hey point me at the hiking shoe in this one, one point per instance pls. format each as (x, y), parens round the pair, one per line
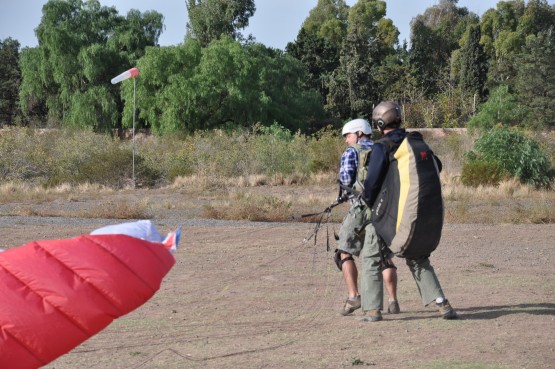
(350, 306)
(393, 308)
(446, 311)
(372, 316)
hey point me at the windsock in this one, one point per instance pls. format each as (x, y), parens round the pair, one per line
(133, 72)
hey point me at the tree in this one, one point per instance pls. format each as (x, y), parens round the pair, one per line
(370, 39)
(434, 36)
(209, 20)
(319, 41)
(319, 56)
(82, 45)
(10, 79)
(501, 109)
(397, 78)
(535, 80)
(328, 20)
(474, 68)
(188, 87)
(505, 31)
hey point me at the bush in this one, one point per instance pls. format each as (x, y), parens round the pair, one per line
(480, 173)
(501, 109)
(51, 158)
(325, 152)
(514, 154)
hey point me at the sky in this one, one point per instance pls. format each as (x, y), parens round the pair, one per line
(275, 22)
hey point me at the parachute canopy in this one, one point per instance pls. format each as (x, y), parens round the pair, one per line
(58, 293)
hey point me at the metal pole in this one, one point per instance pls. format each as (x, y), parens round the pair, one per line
(134, 92)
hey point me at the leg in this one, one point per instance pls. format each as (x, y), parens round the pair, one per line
(350, 274)
(372, 282)
(429, 287)
(390, 281)
(351, 240)
(426, 280)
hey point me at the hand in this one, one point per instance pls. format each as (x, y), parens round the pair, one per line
(341, 199)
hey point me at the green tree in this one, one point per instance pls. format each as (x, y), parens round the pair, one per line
(501, 109)
(504, 33)
(328, 21)
(188, 88)
(535, 80)
(370, 39)
(434, 36)
(474, 67)
(82, 45)
(10, 79)
(319, 56)
(209, 20)
(319, 41)
(396, 76)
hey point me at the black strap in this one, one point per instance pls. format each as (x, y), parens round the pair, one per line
(386, 262)
(338, 261)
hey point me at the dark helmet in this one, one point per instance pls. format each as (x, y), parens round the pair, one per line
(387, 113)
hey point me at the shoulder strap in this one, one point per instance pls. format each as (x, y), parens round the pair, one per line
(355, 146)
(389, 145)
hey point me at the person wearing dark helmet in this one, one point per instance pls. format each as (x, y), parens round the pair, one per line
(357, 134)
(387, 117)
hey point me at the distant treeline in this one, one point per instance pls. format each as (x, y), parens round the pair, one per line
(461, 70)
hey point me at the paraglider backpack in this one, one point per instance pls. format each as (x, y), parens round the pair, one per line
(408, 213)
(363, 159)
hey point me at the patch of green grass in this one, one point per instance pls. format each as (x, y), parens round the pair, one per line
(357, 361)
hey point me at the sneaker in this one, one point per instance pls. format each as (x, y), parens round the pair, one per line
(372, 316)
(393, 308)
(350, 306)
(446, 311)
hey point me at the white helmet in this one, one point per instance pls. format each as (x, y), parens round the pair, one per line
(356, 125)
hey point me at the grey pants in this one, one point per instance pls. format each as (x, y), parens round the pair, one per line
(372, 280)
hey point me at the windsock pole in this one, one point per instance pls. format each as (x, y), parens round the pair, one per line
(131, 73)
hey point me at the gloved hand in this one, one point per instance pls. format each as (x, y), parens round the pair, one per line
(341, 199)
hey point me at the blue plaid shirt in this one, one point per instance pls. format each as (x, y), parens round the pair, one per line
(349, 163)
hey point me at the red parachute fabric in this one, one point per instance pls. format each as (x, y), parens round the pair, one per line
(56, 294)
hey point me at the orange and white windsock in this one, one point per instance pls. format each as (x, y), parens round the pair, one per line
(133, 72)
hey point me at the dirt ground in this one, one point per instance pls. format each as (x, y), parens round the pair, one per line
(252, 295)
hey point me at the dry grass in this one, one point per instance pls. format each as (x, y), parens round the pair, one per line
(242, 205)
(118, 210)
(263, 198)
(510, 202)
(21, 192)
(202, 183)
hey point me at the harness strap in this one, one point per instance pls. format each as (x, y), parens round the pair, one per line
(338, 261)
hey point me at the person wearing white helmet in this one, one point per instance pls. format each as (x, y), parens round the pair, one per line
(352, 173)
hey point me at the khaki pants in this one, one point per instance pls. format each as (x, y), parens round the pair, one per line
(372, 280)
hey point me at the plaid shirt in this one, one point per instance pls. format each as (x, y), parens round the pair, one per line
(349, 163)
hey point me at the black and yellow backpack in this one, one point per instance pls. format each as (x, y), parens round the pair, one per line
(408, 213)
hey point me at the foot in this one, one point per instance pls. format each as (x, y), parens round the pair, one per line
(393, 308)
(446, 311)
(350, 306)
(372, 316)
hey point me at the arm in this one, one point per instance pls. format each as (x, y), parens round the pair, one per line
(348, 167)
(377, 168)
(438, 163)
